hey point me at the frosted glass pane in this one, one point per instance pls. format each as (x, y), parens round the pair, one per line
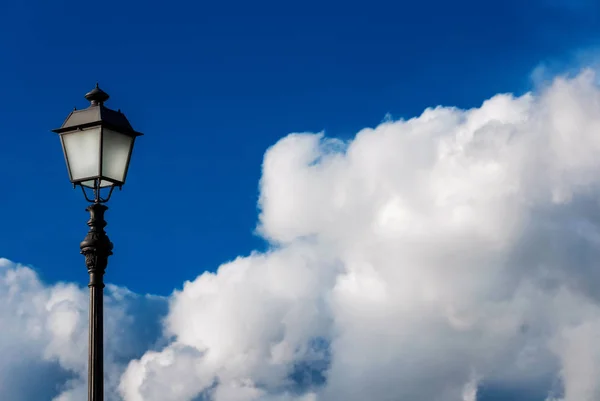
(82, 149)
(90, 183)
(115, 153)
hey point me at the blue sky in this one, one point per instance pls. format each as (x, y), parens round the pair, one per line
(213, 85)
(354, 290)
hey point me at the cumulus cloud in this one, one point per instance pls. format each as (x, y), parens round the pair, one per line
(449, 257)
(43, 340)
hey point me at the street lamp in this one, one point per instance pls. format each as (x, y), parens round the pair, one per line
(97, 143)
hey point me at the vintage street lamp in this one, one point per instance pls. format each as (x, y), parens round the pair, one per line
(97, 143)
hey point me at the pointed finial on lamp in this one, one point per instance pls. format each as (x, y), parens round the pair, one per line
(97, 96)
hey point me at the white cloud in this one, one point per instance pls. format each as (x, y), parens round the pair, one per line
(430, 259)
(43, 340)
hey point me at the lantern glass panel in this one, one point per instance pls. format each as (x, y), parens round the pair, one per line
(116, 148)
(103, 183)
(82, 151)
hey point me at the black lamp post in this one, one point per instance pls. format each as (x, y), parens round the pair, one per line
(97, 143)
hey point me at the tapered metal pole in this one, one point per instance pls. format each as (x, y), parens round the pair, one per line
(96, 247)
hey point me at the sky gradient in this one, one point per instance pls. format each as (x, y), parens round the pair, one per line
(213, 86)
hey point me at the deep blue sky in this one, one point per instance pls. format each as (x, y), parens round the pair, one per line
(212, 86)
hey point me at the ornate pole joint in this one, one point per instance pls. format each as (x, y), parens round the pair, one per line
(96, 247)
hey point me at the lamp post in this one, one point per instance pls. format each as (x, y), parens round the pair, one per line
(97, 143)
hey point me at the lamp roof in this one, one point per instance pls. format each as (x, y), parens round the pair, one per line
(97, 114)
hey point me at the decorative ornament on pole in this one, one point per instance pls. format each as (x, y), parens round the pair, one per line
(96, 247)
